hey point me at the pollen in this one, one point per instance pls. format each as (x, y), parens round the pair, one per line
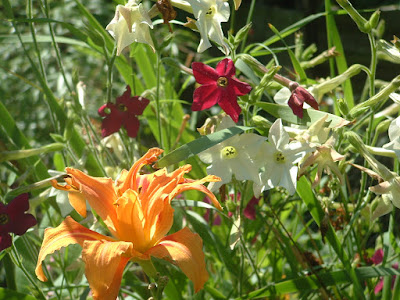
(4, 219)
(279, 157)
(229, 152)
(222, 81)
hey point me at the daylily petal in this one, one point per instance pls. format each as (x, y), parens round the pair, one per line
(130, 178)
(75, 197)
(100, 194)
(184, 249)
(67, 233)
(198, 185)
(104, 265)
(203, 73)
(205, 96)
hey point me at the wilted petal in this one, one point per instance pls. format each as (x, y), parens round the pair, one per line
(67, 233)
(184, 249)
(104, 264)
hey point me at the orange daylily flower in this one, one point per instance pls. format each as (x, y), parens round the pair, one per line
(137, 211)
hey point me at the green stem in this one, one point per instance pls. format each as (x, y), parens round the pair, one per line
(248, 20)
(158, 101)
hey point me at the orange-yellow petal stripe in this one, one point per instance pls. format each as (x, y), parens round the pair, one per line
(67, 233)
(104, 266)
(184, 249)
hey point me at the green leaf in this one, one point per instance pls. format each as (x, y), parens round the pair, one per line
(311, 282)
(199, 145)
(309, 115)
(13, 295)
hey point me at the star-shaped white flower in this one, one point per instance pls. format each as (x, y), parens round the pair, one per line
(131, 24)
(233, 157)
(279, 157)
(209, 15)
(394, 137)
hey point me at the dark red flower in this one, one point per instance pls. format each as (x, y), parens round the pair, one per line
(218, 86)
(250, 209)
(377, 258)
(13, 219)
(297, 99)
(123, 113)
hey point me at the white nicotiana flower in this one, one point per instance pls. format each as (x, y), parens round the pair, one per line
(394, 137)
(131, 24)
(278, 157)
(390, 189)
(209, 15)
(233, 157)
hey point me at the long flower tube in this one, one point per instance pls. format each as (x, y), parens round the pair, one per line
(137, 211)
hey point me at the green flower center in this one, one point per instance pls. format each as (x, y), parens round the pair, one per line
(222, 81)
(229, 152)
(211, 11)
(122, 107)
(279, 157)
(4, 219)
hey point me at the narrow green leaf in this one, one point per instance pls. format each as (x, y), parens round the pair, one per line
(309, 115)
(13, 295)
(341, 63)
(199, 145)
(328, 278)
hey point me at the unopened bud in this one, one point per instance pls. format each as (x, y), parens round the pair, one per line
(361, 22)
(374, 19)
(343, 108)
(241, 34)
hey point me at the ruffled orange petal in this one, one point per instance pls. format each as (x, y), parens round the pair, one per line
(104, 265)
(75, 197)
(130, 178)
(67, 233)
(184, 249)
(100, 194)
(191, 184)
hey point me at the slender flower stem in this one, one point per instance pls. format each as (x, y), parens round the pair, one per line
(248, 20)
(158, 101)
(18, 262)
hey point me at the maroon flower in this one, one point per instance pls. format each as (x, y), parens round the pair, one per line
(218, 86)
(250, 209)
(377, 258)
(123, 113)
(13, 219)
(297, 99)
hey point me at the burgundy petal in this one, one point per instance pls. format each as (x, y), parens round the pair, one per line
(226, 68)
(240, 88)
(112, 123)
(250, 210)
(132, 126)
(204, 74)
(18, 206)
(307, 97)
(205, 96)
(229, 104)
(23, 223)
(5, 241)
(137, 105)
(296, 104)
(377, 258)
